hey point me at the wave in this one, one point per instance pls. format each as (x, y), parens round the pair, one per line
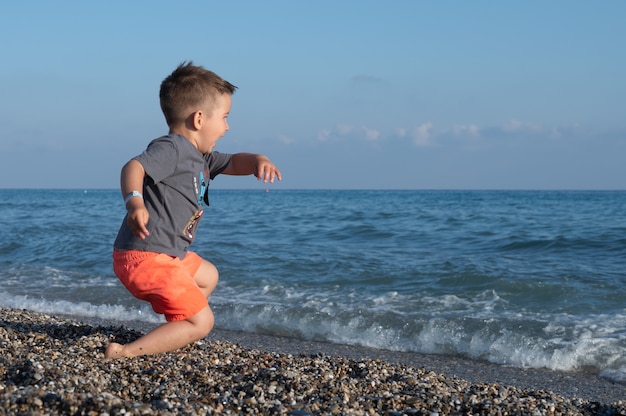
(468, 329)
(479, 328)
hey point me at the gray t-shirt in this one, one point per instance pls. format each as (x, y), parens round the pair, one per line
(175, 186)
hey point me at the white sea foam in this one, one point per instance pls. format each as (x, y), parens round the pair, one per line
(80, 309)
(601, 345)
(445, 325)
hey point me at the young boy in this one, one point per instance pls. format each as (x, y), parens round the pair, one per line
(164, 189)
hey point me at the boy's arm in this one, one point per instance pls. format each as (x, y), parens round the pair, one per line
(253, 164)
(132, 180)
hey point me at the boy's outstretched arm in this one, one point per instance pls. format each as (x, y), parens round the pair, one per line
(253, 164)
(132, 180)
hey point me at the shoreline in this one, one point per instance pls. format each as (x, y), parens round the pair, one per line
(56, 364)
(581, 384)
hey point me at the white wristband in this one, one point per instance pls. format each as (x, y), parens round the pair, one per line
(132, 195)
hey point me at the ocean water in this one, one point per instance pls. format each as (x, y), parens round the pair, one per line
(519, 278)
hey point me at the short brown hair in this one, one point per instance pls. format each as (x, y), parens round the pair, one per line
(188, 88)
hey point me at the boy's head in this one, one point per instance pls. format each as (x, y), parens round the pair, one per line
(188, 89)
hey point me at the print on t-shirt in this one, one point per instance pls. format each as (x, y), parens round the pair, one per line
(203, 185)
(192, 225)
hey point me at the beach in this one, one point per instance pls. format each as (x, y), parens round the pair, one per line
(517, 278)
(55, 365)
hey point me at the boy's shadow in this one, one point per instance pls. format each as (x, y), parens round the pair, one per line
(20, 336)
(66, 331)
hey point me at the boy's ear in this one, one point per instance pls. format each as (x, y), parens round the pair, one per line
(196, 119)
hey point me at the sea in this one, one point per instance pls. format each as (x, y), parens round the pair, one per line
(518, 278)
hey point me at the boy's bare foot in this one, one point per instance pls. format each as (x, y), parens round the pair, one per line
(114, 350)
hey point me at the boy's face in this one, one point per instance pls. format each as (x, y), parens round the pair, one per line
(214, 124)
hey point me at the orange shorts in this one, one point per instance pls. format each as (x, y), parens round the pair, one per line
(164, 281)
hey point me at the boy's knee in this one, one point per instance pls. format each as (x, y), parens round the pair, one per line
(208, 325)
(203, 321)
(212, 273)
(207, 277)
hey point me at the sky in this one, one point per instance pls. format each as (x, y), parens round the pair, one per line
(350, 94)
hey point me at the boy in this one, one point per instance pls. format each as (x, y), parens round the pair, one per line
(164, 189)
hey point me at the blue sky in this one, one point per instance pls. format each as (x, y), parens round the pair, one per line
(340, 94)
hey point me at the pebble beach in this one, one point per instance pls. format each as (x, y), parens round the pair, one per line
(55, 365)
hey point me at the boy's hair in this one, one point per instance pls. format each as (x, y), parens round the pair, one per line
(188, 88)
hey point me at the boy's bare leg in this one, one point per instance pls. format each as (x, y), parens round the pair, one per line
(174, 335)
(167, 337)
(206, 277)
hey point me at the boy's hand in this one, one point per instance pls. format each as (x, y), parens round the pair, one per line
(253, 164)
(266, 170)
(138, 219)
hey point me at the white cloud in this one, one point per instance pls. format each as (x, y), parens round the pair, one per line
(514, 126)
(400, 131)
(555, 133)
(371, 134)
(283, 138)
(344, 129)
(471, 130)
(323, 135)
(421, 134)
(426, 134)
(350, 131)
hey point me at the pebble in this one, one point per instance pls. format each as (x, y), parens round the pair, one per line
(52, 365)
